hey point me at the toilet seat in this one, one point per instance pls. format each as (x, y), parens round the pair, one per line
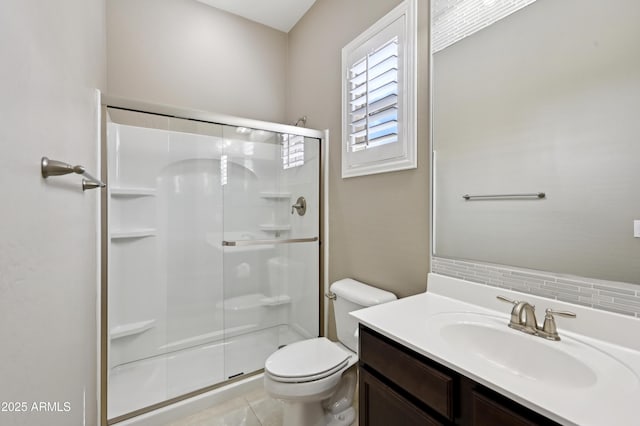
(307, 361)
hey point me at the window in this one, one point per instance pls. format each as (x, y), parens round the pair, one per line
(379, 96)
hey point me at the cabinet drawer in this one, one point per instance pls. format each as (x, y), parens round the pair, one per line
(382, 406)
(427, 384)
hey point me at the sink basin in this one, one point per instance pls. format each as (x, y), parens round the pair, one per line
(568, 363)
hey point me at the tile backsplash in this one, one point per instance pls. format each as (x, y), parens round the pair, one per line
(618, 297)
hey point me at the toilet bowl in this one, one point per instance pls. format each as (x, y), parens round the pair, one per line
(314, 377)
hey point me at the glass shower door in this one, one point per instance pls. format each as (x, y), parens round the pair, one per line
(165, 289)
(213, 263)
(270, 249)
(191, 186)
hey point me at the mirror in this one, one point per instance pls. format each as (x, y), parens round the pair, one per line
(545, 99)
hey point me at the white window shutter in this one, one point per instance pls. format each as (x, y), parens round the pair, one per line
(373, 83)
(379, 96)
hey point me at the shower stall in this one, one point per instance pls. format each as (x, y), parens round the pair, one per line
(211, 260)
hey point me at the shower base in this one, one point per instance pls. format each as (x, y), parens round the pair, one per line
(149, 381)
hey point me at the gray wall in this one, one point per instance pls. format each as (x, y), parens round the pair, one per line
(379, 224)
(188, 54)
(53, 59)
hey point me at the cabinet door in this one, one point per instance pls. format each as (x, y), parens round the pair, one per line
(487, 412)
(409, 371)
(382, 406)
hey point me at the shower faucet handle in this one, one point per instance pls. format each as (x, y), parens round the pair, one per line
(300, 206)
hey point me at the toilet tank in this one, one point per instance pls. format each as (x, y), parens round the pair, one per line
(352, 295)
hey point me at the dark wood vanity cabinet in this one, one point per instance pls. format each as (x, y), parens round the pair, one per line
(401, 387)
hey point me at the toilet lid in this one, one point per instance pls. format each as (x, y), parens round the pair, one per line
(307, 360)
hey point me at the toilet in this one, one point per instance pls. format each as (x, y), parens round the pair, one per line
(313, 377)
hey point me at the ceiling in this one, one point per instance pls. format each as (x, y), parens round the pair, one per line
(279, 14)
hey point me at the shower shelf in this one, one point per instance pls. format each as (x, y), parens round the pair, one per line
(252, 301)
(276, 300)
(275, 195)
(121, 191)
(131, 329)
(271, 227)
(133, 233)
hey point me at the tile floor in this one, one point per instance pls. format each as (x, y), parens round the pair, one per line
(255, 408)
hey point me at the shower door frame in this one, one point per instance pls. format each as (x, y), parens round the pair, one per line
(106, 102)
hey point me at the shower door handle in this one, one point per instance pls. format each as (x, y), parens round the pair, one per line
(263, 242)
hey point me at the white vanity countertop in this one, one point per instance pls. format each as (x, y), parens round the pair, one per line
(604, 399)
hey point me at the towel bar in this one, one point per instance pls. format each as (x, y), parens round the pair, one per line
(498, 196)
(58, 168)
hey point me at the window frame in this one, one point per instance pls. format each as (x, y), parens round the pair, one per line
(400, 155)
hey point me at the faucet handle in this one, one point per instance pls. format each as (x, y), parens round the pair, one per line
(549, 330)
(300, 206)
(504, 299)
(566, 314)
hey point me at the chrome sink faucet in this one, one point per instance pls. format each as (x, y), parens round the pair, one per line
(523, 318)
